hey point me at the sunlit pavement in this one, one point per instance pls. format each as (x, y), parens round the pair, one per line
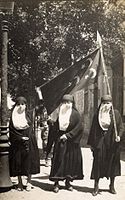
(43, 188)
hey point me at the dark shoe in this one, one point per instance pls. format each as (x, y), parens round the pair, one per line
(20, 186)
(56, 188)
(68, 186)
(20, 189)
(112, 189)
(95, 191)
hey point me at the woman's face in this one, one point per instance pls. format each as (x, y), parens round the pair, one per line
(66, 105)
(21, 107)
(107, 105)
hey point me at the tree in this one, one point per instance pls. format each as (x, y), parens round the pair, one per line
(46, 36)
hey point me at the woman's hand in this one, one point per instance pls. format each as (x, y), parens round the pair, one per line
(25, 138)
(117, 139)
(63, 137)
(26, 143)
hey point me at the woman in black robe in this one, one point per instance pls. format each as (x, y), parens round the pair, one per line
(24, 154)
(66, 136)
(105, 145)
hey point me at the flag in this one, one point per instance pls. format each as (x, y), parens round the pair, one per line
(90, 75)
(104, 70)
(81, 71)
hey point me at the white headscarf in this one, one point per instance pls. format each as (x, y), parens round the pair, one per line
(19, 117)
(104, 115)
(64, 115)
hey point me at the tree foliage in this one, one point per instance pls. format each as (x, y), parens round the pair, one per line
(47, 36)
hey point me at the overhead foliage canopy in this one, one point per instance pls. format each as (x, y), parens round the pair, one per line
(45, 37)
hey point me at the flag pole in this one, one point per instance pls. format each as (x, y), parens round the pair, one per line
(107, 82)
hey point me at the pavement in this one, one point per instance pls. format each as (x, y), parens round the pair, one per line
(43, 188)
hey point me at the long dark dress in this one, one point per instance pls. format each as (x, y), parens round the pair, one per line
(23, 155)
(106, 151)
(67, 157)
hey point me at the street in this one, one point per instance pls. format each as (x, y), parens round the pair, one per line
(43, 188)
(58, 57)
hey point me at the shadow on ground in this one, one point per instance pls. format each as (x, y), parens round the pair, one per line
(3, 190)
(41, 177)
(49, 187)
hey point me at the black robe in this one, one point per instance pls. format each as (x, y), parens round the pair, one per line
(106, 151)
(23, 155)
(67, 156)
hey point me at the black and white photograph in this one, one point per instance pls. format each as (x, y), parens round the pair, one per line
(62, 99)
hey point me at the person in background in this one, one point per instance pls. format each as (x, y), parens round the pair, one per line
(67, 157)
(44, 137)
(44, 129)
(50, 144)
(24, 155)
(105, 145)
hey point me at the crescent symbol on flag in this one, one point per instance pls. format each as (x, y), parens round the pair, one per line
(90, 60)
(93, 71)
(90, 63)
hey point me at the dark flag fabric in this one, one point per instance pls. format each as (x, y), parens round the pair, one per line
(90, 75)
(72, 79)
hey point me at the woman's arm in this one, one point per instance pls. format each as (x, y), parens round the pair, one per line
(76, 128)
